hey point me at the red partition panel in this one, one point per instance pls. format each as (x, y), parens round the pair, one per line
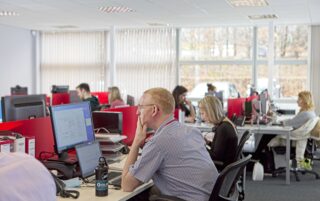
(102, 97)
(60, 98)
(40, 128)
(129, 123)
(235, 106)
(176, 114)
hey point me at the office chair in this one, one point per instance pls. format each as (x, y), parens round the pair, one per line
(300, 135)
(225, 188)
(244, 138)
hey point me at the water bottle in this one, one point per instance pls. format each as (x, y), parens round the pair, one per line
(102, 178)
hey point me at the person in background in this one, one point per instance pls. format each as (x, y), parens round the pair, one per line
(179, 93)
(24, 178)
(225, 141)
(84, 94)
(115, 97)
(175, 158)
(305, 114)
(211, 89)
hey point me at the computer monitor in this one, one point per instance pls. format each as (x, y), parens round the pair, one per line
(88, 155)
(0, 112)
(74, 98)
(60, 89)
(23, 107)
(18, 90)
(72, 125)
(263, 97)
(218, 94)
(112, 121)
(130, 100)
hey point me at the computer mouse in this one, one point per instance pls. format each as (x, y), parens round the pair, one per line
(125, 149)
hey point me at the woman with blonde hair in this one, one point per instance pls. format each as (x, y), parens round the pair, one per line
(305, 114)
(115, 97)
(225, 141)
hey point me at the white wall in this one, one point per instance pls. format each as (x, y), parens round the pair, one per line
(16, 59)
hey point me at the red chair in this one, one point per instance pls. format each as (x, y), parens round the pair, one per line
(102, 97)
(60, 98)
(235, 106)
(129, 122)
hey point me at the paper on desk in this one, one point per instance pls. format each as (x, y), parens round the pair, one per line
(111, 137)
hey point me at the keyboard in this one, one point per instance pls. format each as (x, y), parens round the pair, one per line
(112, 175)
(116, 182)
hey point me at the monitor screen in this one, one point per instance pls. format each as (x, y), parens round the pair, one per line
(72, 125)
(23, 107)
(88, 155)
(17, 90)
(60, 89)
(112, 121)
(130, 100)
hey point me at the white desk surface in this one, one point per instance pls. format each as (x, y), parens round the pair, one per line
(88, 193)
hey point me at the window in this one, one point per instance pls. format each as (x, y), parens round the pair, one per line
(217, 55)
(145, 58)
(69, 58)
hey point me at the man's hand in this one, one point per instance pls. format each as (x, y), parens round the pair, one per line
(141, 133)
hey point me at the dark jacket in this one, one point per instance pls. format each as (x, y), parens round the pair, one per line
(94, 103)
(224, 144)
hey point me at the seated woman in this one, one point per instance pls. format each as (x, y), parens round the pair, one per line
(305, 114)
(115, 99)
(225, 140)
(179, 93)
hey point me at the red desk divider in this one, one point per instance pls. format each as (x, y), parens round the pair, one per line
(60, 98)
(129, 122)
(40, 128)
(102, 97)
(176, 114)
(235, 106)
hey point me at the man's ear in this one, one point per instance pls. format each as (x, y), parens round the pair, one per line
(155, 110)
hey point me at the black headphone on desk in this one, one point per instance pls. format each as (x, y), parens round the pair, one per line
(69, 193)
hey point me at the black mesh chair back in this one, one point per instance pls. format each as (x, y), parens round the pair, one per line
(225, 186)
(246, 135)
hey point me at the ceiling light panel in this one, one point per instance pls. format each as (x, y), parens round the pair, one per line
(116, 9)
(263, 17)
(248, 3)
(8, 13)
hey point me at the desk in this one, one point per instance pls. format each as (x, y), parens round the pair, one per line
(273, 130)
(261, 129)
(88, 193)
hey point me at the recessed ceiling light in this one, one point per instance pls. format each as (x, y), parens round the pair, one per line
(263, 17)
(247, 3)
(116, 9)
(8, 13)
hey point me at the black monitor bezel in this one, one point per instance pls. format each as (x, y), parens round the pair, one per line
(62, 152)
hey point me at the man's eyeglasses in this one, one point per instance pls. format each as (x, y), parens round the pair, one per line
(146, 105)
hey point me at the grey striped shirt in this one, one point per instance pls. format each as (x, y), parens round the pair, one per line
(177, 161)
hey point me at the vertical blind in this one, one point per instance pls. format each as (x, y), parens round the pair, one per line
(145, 58)
(69, 58)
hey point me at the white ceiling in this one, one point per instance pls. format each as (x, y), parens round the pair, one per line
(85, 14)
